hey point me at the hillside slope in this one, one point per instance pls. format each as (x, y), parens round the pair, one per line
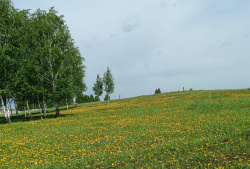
(206, 129)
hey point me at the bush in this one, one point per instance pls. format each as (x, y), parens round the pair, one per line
(157, 91)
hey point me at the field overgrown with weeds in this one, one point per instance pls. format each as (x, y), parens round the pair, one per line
(191, 129)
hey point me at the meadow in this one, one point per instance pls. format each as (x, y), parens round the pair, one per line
(190, 129)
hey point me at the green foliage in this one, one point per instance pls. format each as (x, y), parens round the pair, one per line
(81, 98)
(107, 97)
(10, 37)
(97, 98)
(108, 81)
(39, 61)
(91, 98)
(98, 86)
(7, 56)
(157, 91)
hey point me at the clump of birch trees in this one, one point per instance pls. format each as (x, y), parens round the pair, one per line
(108, 82)
(39, 61)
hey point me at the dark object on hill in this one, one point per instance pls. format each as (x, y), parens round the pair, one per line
(157, 91)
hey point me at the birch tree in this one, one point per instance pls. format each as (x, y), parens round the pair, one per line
(12, 24)
(56, 58)
(98, 87)
(23, 81)
(7, 48)
(109, 84)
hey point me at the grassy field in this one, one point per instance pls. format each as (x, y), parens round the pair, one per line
(191, 129)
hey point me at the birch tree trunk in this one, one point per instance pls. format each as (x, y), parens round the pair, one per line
(7, 117)
(74, 100)
(10, 107)
(44, 109)
(5, 110)
(108, 99)
(16, 107)
(25, 110)
(3, 107)
(41, 113)
(28, 107)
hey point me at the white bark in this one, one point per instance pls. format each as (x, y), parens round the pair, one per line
(41, 112)
(44, 108)
(7, 116)
(3, 107)
(28, 107)
(6, 109)
(16, 107)
(25, 110)
(108, 99)
(10, 107)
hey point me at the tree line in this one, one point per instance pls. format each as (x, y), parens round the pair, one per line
(39, 62)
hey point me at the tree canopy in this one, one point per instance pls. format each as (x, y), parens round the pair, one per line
(98, 87)
(108, 81)
(158, 91)
(38, 58)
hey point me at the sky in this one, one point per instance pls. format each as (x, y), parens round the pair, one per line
(166, 44)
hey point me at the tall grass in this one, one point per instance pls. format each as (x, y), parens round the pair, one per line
(192, 129)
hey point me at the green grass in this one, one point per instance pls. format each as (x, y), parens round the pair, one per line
(192, 129)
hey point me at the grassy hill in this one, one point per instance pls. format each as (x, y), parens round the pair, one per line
(192, 129)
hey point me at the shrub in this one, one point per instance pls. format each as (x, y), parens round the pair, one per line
(157, 91)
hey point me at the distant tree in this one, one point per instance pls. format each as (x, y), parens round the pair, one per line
(98, 87)
(106, 98)
(108, 81)
(91, 98)
(97, 99)
(157, 91)
(79, 98)
(86, 99)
